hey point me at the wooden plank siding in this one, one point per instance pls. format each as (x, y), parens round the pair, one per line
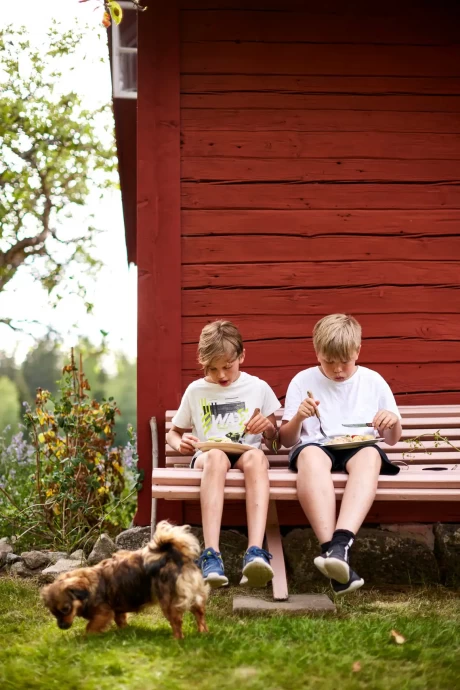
(320, 172)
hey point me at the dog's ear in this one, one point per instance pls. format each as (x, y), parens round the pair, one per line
(80, 594)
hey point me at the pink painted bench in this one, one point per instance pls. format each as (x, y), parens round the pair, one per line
(417, 481)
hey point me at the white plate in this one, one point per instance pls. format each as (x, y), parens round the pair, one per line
(225, 446)
(353, 444)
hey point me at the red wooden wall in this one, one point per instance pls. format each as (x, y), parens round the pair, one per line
(320, 173)
(294, 159)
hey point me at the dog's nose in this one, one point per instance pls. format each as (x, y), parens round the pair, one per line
(64, 625)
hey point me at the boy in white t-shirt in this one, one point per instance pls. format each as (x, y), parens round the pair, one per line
(221, 406)
(343, 393)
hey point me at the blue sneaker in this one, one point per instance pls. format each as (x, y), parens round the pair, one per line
(212, 568)
(257, 571)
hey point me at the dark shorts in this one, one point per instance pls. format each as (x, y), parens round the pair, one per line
(340, 457)
(233, 459)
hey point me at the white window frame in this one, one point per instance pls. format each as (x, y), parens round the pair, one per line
(117, 51)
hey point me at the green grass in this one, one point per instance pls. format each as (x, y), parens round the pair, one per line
(254, 653)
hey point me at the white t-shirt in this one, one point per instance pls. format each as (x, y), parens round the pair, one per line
(215, 411)
(355, 400)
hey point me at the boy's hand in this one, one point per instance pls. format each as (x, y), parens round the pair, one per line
(384, 419)
(259, 424)
(307, 408)
(187, 444)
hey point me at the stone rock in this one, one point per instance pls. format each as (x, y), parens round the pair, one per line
(35, 559)
(12, 558)
(5, 545)
(380, 557)
(55, 556)
(63, 565)
(384, 558)
(19, 569)
(300, 547)
(233, 546)
(423, 533)
(5, 549)
(105, 547)
(133, 538)
(447, 549)
(78, 555)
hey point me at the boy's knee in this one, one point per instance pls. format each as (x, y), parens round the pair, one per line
(215, 460)
(313, 458)
(255, 460)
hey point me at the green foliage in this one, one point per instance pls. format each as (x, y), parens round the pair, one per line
(78, 485)
(51, 158)
(9, 403)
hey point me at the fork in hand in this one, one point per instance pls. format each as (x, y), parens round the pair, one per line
(312, 397)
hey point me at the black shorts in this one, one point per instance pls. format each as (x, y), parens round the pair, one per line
(340, 457)
(233, 457)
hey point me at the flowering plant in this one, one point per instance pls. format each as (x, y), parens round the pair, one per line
(78, 480)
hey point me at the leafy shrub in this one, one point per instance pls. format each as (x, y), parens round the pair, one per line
(73, 481)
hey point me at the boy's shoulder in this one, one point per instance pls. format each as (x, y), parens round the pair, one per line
(306, 375)
(371, 375)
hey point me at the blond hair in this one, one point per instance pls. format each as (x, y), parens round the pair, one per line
(337, 336)
(218, 339)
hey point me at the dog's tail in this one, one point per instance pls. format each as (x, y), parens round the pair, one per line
(170, 537)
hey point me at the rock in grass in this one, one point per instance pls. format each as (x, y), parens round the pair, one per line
(19, 569)
(64, 565)
(5, 549)
(55, 556)
(35, 559)
(12, 558)
(133, 539)
(105, 547)
(79, 556)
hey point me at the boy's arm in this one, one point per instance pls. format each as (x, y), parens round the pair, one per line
(290, 431)
(181, 441)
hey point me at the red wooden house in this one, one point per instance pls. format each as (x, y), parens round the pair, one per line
(294, 159)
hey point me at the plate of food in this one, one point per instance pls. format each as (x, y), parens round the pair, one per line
(353, 441)
(225, 444)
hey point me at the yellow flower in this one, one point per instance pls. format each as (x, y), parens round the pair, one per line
(51, 434)
(118, 467)
(49, 492)
(102, 490)
(107, 429)
(41, 438)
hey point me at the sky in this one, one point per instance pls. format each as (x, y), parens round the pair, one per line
(114, 294)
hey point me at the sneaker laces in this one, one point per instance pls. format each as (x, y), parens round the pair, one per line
(209, 555)
(257, 551)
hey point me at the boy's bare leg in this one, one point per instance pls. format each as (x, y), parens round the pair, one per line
(363, 470)
(214, 464)
(257, 570)
(254, 464)
(315, 490)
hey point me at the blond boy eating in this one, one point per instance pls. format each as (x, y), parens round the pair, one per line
(343, 393)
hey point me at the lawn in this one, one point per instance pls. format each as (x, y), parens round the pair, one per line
(351, 649)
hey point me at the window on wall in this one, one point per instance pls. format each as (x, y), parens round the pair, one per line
(124, 53)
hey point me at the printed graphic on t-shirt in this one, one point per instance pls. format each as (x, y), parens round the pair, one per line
(223, 419)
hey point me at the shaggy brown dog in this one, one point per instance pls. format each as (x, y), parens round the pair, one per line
(163, 572)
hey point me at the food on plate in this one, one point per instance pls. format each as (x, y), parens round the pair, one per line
(350, 439)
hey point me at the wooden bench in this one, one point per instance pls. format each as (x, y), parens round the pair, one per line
(429, 473)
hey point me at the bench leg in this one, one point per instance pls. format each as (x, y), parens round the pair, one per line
(275, 546)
